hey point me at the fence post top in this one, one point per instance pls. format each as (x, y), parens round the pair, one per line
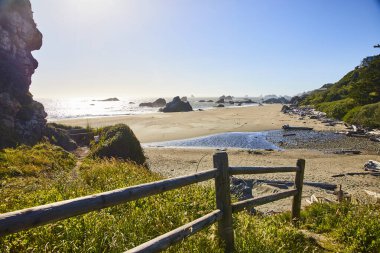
(220, 153)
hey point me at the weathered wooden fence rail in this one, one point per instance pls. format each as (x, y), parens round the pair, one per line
(16, 221)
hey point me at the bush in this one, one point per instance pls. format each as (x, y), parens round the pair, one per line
(118, 141)
(337, 109)
(368, 115)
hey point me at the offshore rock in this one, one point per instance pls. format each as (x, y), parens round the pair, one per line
(158, 103)
(177, 106)
(22, 120)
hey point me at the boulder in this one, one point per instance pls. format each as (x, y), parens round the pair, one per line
(158, 103)
(280, 100)
(60, 137)
(220, 101)
(220, 105)
(177, 106)
(120, 142)
(184, 99)
(285, 109)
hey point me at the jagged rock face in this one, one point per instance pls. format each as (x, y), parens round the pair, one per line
(22, 120)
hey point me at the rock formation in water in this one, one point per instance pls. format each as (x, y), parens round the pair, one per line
(177, 106)
(22, 120)
(158, 103)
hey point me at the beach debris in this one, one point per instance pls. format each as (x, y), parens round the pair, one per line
(285, 184)
(347, 151)
(357, 174)
(372, 166)
(241, 188)
(342, 195)
(374, 195)
(285, 135)
(287, 127)
(311, 113)
(255, 152)
(315, 199)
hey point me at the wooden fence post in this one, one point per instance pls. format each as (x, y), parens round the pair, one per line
(223, 200)
(296, 207)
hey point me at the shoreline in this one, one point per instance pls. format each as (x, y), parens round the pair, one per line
(156, 127)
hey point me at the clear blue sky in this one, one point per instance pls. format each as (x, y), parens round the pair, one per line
(103, 48)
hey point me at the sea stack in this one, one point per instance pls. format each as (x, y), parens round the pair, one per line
(22, 120)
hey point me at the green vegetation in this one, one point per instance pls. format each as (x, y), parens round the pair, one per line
(337, 109)
(357, 227)
(48, 174)
(352, 96)
(368, 115)
(118, 141)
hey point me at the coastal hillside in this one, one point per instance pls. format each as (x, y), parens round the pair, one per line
(355, 98)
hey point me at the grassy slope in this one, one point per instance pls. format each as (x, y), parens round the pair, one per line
(54, 177)
(354, 98)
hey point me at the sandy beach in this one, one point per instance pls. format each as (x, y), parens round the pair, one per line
(172, 126)
(320, 167)
(171, 162)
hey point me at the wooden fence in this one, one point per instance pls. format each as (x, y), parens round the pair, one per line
(13, 222)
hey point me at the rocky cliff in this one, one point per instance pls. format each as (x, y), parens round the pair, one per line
(22, 120)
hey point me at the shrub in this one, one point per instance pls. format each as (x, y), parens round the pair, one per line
(337, 109)
(118, 141)
(368, 115)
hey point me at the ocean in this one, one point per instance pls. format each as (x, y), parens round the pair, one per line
(92, 107)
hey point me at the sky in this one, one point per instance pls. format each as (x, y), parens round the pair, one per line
(132, 48)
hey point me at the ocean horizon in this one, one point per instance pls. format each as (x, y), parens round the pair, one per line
(72, 108)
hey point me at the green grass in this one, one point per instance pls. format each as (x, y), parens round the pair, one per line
(125, 226)
(356, 226)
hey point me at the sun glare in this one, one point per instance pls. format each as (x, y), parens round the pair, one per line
(90, 9)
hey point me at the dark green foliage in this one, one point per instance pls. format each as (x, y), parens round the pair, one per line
(118, 141)
(337, 109)
(368, 115)
(359, 87)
